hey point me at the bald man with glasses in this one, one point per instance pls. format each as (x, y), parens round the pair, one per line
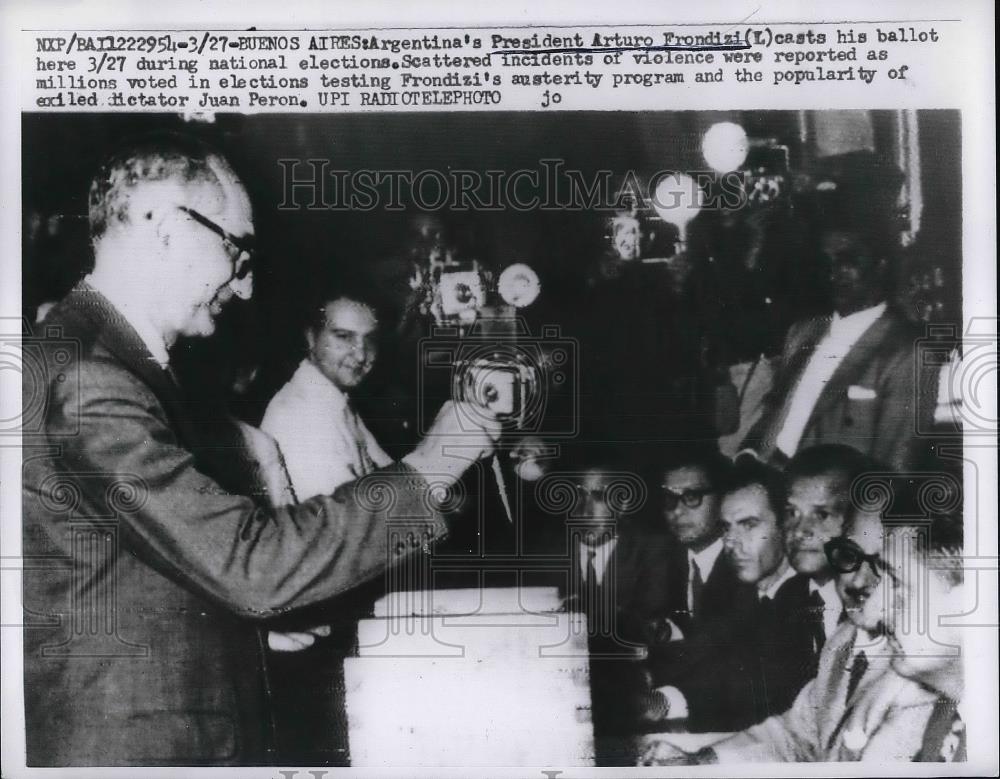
(162, 558)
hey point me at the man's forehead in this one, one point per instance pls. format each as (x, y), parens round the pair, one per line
(225, 200)
(866, 530)
(749, 501)
(685, 476)
(346, 314)
(821, 489)
(595, 478)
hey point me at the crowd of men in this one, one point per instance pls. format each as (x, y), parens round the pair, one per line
(776, 606)
(757, 595)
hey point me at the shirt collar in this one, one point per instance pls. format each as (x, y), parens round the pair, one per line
(601, 549)
(311, 378)
(136, 317)
(859, 321)
(706, 557)
(828, 591)
(787, 572)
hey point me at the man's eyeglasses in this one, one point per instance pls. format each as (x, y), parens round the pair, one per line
(690, 498)
(240, 250)
(845, 556)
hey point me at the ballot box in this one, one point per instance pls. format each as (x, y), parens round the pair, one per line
(477, 677)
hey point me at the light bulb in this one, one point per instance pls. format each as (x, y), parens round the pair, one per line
(677, 199)
(725, 146)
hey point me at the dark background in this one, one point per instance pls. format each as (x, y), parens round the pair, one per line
(632, 330)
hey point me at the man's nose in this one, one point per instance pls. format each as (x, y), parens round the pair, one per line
(800, 530)
(861, 579)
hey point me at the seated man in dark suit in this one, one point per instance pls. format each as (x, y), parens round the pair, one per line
(709, 607)
(849, 377)
(616, 578)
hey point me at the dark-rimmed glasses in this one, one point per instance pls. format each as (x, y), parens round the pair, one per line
(845, 556)
(240, 250)
(690, 498)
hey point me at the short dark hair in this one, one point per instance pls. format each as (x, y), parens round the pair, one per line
(830, 459)
(749, 472)
(344, 289)
(148, 158)
(709, 460)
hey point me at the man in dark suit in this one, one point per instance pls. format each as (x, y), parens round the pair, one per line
(148, 563)
(709, 607)
(850, 377)
(616, 577)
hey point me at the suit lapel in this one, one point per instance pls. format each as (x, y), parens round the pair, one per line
(120, 338)
(812, 333)
(854, 364)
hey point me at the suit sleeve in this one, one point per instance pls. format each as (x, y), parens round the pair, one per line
(252, 559)
(904, 392)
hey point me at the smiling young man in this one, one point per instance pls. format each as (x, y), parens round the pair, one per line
(322, 439)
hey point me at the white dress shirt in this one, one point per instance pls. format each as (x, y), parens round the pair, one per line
(705, 560)
(773, 583)
(844, 333)
(602, 554)
(832, 605)
(322, 439)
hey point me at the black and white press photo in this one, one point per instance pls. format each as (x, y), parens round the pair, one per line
(493, 438)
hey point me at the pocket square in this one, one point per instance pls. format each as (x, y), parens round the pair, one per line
(857, 392)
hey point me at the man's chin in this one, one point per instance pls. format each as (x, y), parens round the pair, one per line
(202, 325)
(808, 561)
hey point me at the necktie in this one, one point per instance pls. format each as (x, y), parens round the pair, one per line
(817, 608)
(697, 587)
(591, 592)
(858, 669)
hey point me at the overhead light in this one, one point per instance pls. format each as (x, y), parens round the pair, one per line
(725, 146)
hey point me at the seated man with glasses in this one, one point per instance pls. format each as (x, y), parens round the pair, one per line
(879, 690)
(708, 606)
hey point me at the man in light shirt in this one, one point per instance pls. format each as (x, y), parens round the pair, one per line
(322, 439)
(849, 377)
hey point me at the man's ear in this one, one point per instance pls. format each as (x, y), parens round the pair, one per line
(310, 339)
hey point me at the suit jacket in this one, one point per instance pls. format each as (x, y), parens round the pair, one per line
(633, 587)
(870, 402)
(711, 665)
(144, 575)
(812, 730)
(780, 657)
